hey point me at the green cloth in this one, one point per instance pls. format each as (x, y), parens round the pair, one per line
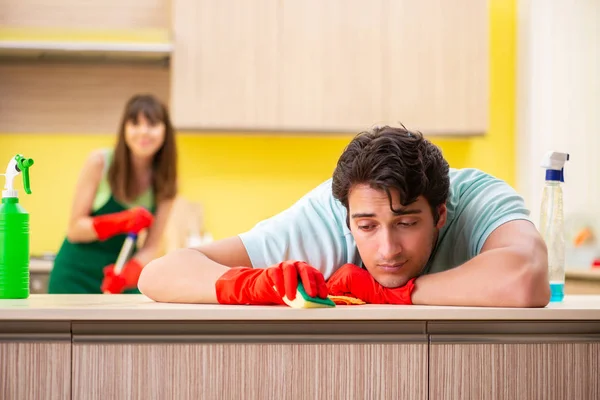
(78, 267)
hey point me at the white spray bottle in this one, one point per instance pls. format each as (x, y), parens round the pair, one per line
(552, 221)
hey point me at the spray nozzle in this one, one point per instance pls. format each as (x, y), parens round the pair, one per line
(23, 165)
(18, 164)
(554, 163)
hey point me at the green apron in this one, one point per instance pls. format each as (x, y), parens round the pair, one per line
(78, 267)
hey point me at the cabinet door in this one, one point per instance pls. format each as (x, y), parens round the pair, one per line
(249, 371)
(436, 65)
(224, 68)
(515, 371)
(72, 98)
(335, 65)
(332, 56)
(35, 369)
(100, 16)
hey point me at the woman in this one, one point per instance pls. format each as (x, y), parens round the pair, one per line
(119, 191)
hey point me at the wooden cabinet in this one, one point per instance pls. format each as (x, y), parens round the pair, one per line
(320, 358)
(508, 370)
(249, 371)
(72, 98)
(250, 360)
(331, 61)
(106, 15)
(339, 65)
(436, 65)
(224, 67)
(35, 361)
(69, 66)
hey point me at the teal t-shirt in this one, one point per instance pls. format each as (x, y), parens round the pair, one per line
(314, 228)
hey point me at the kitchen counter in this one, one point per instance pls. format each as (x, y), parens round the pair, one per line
(582, 281)
(129, 347)
(139, 307)
(40, 265)
(592, 274)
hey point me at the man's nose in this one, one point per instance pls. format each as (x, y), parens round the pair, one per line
(390, 246)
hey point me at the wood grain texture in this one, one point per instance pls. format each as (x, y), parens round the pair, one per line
(34, 371)
(332, 56)
(515, 371)
(582, 286)
(336, 65)
(249, 371)
(72, 98)
(225, 64)
(436, 68)
(86, 14)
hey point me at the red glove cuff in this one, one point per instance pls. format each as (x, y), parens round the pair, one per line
(239, 286)
(401, 295)
(128, 221)
(131, 272)
(127, 279)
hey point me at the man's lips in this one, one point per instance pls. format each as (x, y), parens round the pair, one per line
(391, 267)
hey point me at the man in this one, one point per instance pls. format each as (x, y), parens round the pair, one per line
(393, 225)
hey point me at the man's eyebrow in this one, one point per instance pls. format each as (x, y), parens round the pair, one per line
(403, 211)
(363, 215)
(406, 211)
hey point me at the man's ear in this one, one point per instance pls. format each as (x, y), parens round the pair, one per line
(443, 215)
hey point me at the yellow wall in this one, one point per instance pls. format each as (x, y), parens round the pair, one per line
(241, 179)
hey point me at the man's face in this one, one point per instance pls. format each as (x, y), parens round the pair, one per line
(394, 247)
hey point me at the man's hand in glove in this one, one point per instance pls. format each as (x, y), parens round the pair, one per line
(264, 286)
(353, 281)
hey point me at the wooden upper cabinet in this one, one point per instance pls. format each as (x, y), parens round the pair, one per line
(72, 98)
(436, 65)
(76, 14)
(224, 67)
(67, 76)
(335, 65)
(331, 62)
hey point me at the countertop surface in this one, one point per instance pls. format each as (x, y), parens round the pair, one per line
(139, 307)
(588, 274)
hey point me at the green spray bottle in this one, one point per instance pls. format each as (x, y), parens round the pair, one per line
(14, 233)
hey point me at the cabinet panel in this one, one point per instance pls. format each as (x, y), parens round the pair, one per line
(225, 64)
(72, 98)
(515, 371)
(332, 57)
(35, 370)
(249, 371)
(336, 65)
(77, 14)
(436, 65)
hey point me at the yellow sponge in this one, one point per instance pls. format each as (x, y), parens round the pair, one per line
(303, 300)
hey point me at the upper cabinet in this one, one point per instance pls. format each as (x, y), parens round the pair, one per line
(98, 30)
(69, 66)
(335, 65)
(225, 64)
(78, 14)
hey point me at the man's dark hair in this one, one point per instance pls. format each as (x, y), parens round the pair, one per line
(393, 158)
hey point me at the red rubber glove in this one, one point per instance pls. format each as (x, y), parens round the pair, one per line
(127, 279)
(351, 280)
(128, 221)
(264, 286)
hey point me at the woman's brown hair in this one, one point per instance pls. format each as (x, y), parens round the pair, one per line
(164, 164)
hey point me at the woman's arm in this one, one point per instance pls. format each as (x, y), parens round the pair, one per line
(152, 243)
(80, 228)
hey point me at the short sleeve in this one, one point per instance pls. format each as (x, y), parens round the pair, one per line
(484, 204)
(312, 230)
